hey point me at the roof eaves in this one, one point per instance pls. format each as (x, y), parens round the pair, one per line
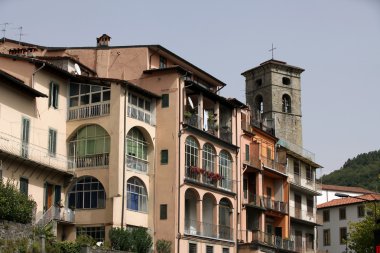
(21, 85)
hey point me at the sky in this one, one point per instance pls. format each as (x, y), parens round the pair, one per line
(336, 42)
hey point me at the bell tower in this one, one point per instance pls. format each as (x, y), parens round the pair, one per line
(273, 92)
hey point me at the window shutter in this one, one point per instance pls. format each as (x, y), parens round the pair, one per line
(56, 92)
(51, 94)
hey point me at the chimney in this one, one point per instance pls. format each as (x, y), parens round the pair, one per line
(103, 41)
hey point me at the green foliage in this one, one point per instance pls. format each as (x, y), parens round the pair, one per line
(85, 240)
(11, 246)
(137, 240)
(361, 235)
(14, 206)
(64, 247)
(47, 231)
(362, 170)
(163, 246)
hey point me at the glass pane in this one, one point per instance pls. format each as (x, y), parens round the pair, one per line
(87, 200)
(95, 88)
(84, 89)
(134, 100)
(141, 103)
(90, 147)
(95, 98)
(147, 105)
(74, 89)
(74, 101)
(79, 200)
(85, 100)
(106, 95)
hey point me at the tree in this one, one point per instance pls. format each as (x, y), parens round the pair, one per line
(361, 235)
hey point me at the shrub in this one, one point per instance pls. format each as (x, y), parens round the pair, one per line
(14, 205)
(163, 246)
(136, 240)
(142, 241)
(120, 239)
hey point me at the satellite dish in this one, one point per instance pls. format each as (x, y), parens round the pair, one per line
(190, 102)
(77, 69)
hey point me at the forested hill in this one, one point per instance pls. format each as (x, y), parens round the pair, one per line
(362, 170)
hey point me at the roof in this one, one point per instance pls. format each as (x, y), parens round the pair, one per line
(350, 200)
(52, 58)
(20, 85)
(275, 63)
(170, 68)
(345, 188)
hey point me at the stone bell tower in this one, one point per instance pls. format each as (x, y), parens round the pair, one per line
(273, 91)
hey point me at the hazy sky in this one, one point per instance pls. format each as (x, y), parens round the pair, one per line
(337, 42)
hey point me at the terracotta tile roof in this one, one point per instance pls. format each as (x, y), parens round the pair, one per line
(345, 188)
(350, 200)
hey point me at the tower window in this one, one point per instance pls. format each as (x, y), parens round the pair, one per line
(285, 80)
(286, 104)
(259, 104)
(259, 82)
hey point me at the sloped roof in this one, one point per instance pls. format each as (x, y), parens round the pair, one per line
(345, 188)
(350, 200)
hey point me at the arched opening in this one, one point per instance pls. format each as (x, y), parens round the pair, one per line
(137, 151)
(208, 214)
(225, 170)
(191, 157)
(259, 105)
(137, 197)
(192, 225)
(225, 219)
(89, 147)
(286, 104)
(87, 193)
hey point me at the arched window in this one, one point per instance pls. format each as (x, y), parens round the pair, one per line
(225, 211)
(137, 151)
(191, 214)
(286, 104)
(208, 158)
(137, 197)
(87, 193)
(225, 170)
(191, 152)
(208, 213)
(90, 147)
(259, 104)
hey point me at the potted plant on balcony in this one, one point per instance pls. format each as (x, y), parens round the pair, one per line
(187, 114)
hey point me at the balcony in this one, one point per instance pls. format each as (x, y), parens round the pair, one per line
(253, 200)
(96, 160)
(16, 147)
(138, 113)
(269, 163)
(209, 178)
(275, 205)
(305, 215)
(270, 240)
(297, 149)
(59, 214)
(137, 164)
(198, 228)
(89, 111)
(255, 163)
(309, 184)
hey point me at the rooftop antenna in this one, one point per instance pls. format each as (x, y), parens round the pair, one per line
(20, 34)
(4, 29)
(273, 48)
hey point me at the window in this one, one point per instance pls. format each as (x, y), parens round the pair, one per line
(191, 152)
(137, 151)
(25, 137)
(95, 232)
(165, 100)
(52, 145)
(245, 187)
(225, 212)
(297, 168)
(84, 94)
(259, 82)
(326, 237)
(286, 104)
(192, 248)
(226, 250)
(246, 152)
(53, 95)
(309, 173)
(139, 108)
(137, 198)
(269, 153)
(208, 157)
(309, 241)
(90, 147)
(343, 235)
(225, 170)
(342, 213)
(163, 62)
(326, 215)
(259, 104)
(310, 205)
(286, 80)
(163, 212)
(361, 211)
(209, 249)
(24, 185)
(164, 156)
(87, 193)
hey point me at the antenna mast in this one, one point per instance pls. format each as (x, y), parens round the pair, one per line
(4, 29)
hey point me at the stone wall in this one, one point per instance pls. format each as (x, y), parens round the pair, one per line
(11, 230)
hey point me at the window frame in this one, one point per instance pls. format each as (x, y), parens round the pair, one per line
(87, 187)
(137, 195)
(208, 157)
(342, 213)
(163, 62)
(225, 169)
(104, 92)
(24, 185)
(326, 215)
(286, 104)
(165, 100)
(361, 211)
(342, 237)
(163, 212)
(53, 94)
(52, 142)
(326, 237)
(164, 156)
(191, 152)
(92, 230)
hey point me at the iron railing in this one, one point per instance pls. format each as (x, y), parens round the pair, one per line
(62, 214)
(253, 162)
(258, 236)
(89, 111)
(270, 163)
(302, 181)
(209, 178)
(15, 146)
(307, 215)
(194, 227)
(253, 199)
(297, 149)
(193, 120)
(275, 205)
(140, 114)
(135, 163)
(97, 160)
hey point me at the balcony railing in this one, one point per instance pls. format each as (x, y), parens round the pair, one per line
(193, 120)
(15, 146)
(257, 236)
(253, 199)
(275, 205)
(256, 163)
(226, 134)
(269, 163)
(140, 114)
(306, 215)
(193, 227)
(209, 178)
(135, 163)
(97, 160)
(60, 214)
(297, 149)
(89, 111)
(304, 182)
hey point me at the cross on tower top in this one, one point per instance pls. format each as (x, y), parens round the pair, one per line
(272, 49)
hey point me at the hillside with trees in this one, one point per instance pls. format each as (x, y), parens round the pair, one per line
(362, 170)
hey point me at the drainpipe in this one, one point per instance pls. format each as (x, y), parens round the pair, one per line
(237, 184)
(125, 124)
(179, 165)
(43, 65)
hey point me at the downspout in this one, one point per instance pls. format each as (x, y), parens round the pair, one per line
(43, 65)
(179, 164)
(125, 125)
(237, 178)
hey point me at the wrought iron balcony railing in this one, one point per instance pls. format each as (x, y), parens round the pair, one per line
(137, 164)
(89, 111)
(60, 214)
(86, 161)
(209, 178)
(275, 205)
(194, 227)
(257, 236)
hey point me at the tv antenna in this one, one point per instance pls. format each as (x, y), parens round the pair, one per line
(4, 29)
(20, 34)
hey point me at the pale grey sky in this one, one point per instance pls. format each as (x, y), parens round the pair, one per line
(337, 42)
